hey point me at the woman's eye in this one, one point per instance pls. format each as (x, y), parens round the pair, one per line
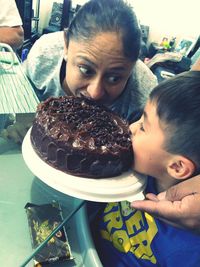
(141, 127)
(113, 79)
(86, 71)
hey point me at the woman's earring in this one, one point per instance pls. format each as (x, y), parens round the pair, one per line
(65, 57)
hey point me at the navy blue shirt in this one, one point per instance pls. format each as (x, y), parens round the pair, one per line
(129, 237)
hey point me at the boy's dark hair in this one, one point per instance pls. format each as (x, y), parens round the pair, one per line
(98, 16)
(178, 108)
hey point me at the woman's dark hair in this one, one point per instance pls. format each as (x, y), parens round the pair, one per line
(98, 16)
(178, 108)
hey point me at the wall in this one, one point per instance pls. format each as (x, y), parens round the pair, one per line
(45, 13)
(169, 18)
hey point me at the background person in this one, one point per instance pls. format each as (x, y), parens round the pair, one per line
(11, 31)
(166, 146)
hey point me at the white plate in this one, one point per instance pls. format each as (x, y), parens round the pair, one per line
(127, 186)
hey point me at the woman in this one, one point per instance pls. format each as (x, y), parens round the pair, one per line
(96, 56)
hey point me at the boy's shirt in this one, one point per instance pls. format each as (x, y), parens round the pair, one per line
(133, 238)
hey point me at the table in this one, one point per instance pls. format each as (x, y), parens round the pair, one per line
(16, 94)
(19, 186)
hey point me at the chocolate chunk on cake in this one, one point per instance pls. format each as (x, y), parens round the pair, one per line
(82, 138)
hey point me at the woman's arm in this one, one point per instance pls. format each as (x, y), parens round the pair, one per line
(179, 205)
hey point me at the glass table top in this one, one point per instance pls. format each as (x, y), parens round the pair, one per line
(19, 186)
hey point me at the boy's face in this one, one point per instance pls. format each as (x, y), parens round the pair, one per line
(148, 141)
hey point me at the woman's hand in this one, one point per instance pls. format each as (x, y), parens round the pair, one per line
(196, 65)
(179, 205)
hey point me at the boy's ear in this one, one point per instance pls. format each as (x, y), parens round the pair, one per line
(181, 167)
(65, 46)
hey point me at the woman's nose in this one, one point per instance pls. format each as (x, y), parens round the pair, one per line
(96, 90)
(133, 128)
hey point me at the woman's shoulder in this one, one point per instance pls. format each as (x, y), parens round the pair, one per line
(50, 42)
(44, 59)
(53, 36)
(144, 74)
(46, 50)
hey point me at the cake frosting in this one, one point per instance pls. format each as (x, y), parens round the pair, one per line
(81, 137)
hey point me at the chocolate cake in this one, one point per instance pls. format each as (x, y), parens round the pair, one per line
(80, 137)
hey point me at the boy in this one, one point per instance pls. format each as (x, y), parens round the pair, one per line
(166, 145)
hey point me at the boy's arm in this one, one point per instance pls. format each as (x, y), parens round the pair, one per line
(179, 204)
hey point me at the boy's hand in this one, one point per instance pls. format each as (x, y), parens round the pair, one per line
(18, 130)
(179, 205)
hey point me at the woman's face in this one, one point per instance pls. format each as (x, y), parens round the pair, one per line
(97, 67)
